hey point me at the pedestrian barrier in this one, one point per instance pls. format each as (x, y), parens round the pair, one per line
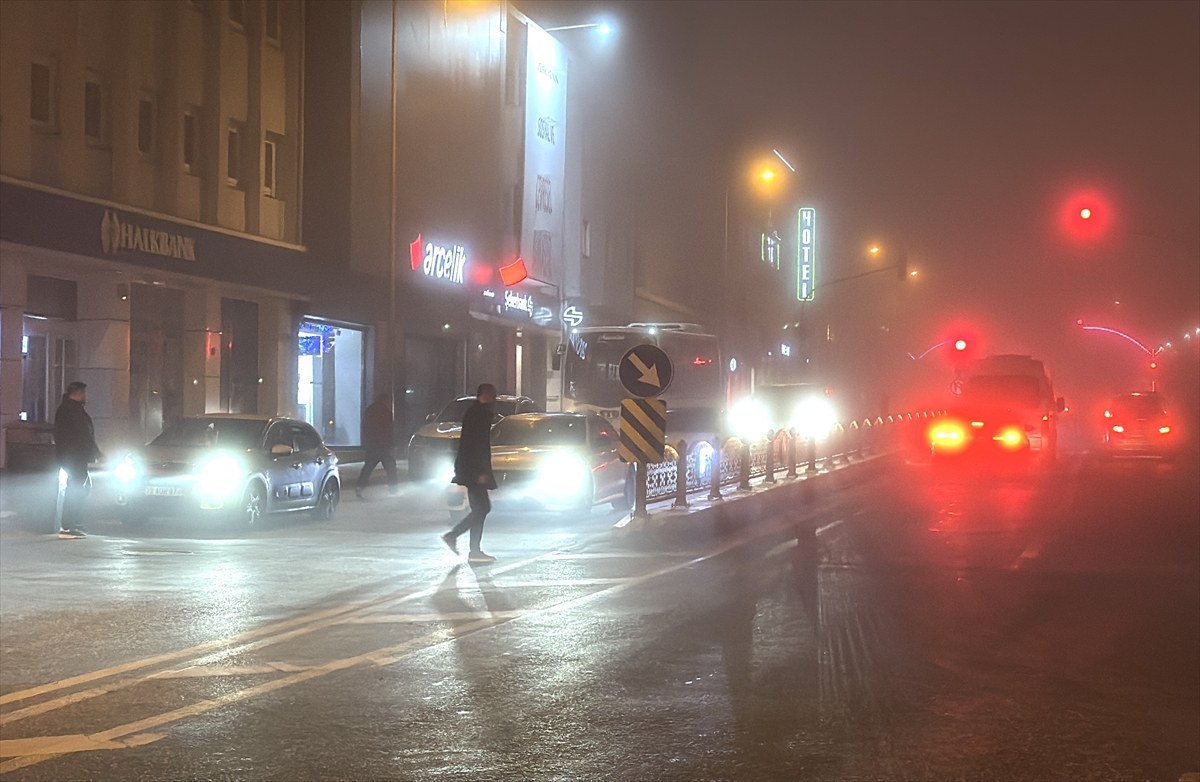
(707, 467)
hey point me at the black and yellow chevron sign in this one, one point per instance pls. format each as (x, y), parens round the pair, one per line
(643, 430)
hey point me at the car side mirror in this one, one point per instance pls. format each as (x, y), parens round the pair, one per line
(281, 449)
(429, 418)
(1061, 404)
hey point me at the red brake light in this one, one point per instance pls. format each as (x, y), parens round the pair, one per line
(700, 361)
(1010, 438)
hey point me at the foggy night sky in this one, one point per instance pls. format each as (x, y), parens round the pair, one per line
(960, 129)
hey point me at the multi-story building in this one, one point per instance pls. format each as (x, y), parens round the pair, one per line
(151, 245)
(454, 162)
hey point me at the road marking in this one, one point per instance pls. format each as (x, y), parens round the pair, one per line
(52, 746)
(385, 656)
(250, 640)
(455, 616)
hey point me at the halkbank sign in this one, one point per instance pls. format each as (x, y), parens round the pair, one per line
(119, 234)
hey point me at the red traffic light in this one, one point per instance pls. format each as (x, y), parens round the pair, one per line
(1085, 213)
(1154, 365)
(960, 345)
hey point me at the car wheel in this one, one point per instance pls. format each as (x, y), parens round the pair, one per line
(253, 505)
(625, 501)
(327, 503)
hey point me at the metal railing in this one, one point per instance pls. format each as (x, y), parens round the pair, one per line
(782, 452)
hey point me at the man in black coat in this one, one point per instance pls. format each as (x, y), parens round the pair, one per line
(74, 448)
(379, 441)
(473, 469)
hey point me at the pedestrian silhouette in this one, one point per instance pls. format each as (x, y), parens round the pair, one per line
(473, 470)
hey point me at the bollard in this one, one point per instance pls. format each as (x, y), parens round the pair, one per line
(791, 453)
(714, 472)
(681, 461)
(812, 455)
(639, 499)
(771, 457)
(744, 473)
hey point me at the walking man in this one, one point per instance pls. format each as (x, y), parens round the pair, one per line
(379, 442)
(74, 447)
(473, 469)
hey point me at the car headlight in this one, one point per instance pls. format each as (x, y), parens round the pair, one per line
(126, 471)
(814, 418)
(221, 476)
(563, 476)
(748, 419)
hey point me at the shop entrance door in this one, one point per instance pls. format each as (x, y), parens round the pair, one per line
(433, 377)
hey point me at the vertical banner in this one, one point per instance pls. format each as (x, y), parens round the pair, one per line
(543, 205)
(806, 255)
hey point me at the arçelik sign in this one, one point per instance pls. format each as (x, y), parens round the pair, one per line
(441, 262)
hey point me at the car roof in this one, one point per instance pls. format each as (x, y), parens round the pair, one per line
(550, 415)
(499, 398)
(243, 417)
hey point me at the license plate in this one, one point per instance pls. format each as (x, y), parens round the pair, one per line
(164, 491)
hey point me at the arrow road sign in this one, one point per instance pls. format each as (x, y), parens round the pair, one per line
(646, 371)
(643, 430)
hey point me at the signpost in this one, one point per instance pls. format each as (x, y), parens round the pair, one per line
(645, 372)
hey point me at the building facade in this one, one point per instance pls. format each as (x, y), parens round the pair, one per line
(453, 170)
(150, 186)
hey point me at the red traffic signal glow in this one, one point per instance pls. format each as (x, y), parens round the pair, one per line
(1084, 216)
(960, 344)
(1085, 213)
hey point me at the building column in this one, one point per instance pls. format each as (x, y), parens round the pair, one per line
(13, 278)
(103, 340)
(278, 349)
(202, 350)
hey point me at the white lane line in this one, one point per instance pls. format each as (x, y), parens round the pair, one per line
(829, 526)
(216, 650)
(52, 746)
(454, 616)
(384, 656)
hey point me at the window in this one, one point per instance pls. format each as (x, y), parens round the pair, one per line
(272, 24)
(237, 12)
(93, 110)
(233, 168)
(145, 127)
(41, 92)
(305, 437)
(191, 160)
(268, 179)
(585, 239)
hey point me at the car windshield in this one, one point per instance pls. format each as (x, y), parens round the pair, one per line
(1014, 391)
(1140, 406)
(453, 412)
(212, 432)
(553, 430)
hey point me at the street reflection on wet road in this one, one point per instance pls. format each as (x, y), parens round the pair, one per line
(926, 624)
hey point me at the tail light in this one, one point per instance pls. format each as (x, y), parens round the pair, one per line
(1118, 428)
(1164, 429)
(1010, 438)
(947, 436)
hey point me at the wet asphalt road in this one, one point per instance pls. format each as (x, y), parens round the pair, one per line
(943, 625)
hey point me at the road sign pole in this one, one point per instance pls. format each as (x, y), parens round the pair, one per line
(639, 503)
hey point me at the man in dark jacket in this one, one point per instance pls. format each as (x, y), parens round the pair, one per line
(74, 448)
(473, 469)
(379, 441)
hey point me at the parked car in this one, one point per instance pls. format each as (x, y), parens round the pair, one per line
(239, 467)
(1137, 424)
(432, 449)
(559, 461)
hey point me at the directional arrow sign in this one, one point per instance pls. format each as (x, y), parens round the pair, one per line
(646, 371)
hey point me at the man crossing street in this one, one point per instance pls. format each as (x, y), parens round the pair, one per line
(473, 470)
(74, 448)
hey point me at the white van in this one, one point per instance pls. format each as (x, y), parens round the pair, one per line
(1021, 386)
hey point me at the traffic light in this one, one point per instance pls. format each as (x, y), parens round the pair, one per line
(960, 345)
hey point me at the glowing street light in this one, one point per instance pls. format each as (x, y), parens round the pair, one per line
(874, 250)
(601, 27)
(767, 175)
